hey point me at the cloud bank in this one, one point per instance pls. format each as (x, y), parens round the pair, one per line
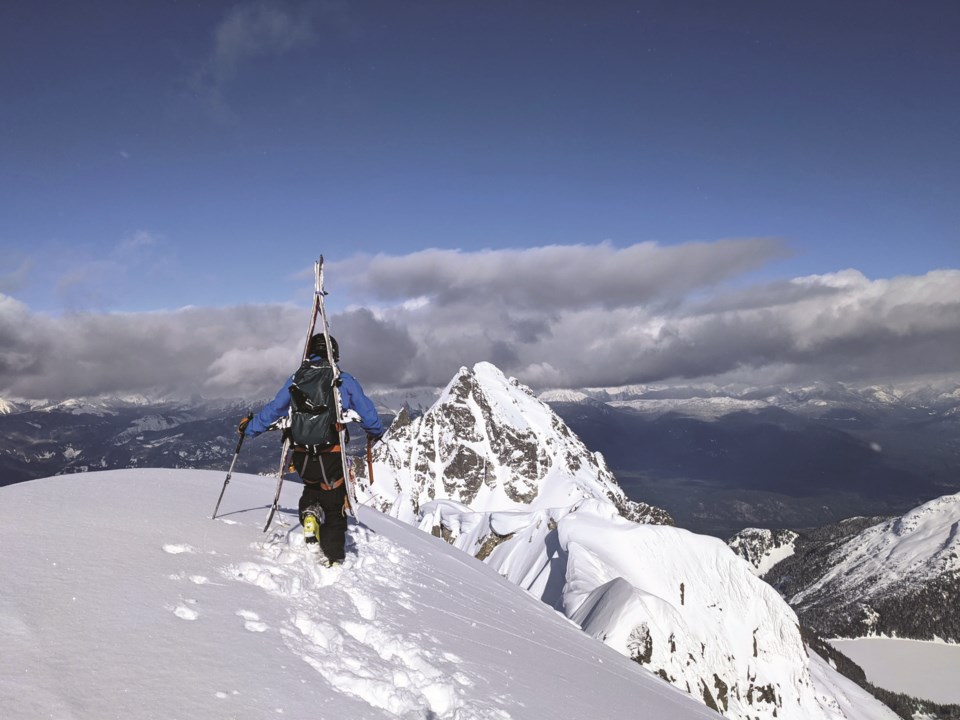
(555, 316)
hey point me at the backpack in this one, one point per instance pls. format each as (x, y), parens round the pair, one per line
(313, 408)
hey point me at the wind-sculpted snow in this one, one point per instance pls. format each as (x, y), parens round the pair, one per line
(680, 604)
(134, 604)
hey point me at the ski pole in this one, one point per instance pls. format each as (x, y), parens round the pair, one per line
(230, 471)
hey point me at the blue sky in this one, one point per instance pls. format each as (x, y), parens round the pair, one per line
(159, 155)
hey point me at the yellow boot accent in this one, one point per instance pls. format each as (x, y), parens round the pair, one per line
(311, 530)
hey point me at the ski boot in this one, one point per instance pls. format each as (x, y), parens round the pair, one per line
(312, 518)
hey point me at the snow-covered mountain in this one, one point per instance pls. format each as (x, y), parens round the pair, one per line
(712, 401)
(121, 598)
(721, 459)
(898, 577)
(49, 440)
(496, 473)
(490, 444)
(10, 406)
(763, 548)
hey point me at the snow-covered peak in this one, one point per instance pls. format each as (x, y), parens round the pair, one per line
(763, 548)
(163, 613)
(490, 444)
(9, 406)
(918, 547)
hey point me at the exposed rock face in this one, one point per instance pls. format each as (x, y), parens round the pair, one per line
(490, 444)
(763, 548)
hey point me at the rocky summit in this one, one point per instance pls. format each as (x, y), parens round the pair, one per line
(490, 444)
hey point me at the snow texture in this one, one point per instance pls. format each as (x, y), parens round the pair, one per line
(130, 602)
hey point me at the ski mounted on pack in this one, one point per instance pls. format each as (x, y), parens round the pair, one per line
(319, 311)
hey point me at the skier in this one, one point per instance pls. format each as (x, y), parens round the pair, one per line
(323, 504)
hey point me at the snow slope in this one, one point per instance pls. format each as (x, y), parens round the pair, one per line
(121, 598)
(920, 546)
(896, 578)
(681, 604)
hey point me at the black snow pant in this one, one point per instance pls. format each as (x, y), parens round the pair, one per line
(333, 529)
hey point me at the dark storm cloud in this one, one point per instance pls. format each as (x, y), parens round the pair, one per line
(373, 348)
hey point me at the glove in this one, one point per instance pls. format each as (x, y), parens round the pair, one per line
(374, 439)
(242, 427)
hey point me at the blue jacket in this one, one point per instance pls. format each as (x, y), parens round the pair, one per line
(351, 396)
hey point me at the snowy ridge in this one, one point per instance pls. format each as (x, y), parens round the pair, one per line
(680, 604)
(712, 401)
(919, 547)
(7, 407)
(248, 626)
(701, 407)
(563, 396)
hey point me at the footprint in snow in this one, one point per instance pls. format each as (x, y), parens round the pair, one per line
(178, 549)
(365, 605)
(185, 613)
(252, 621)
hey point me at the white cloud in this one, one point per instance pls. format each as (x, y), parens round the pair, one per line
(841, 326)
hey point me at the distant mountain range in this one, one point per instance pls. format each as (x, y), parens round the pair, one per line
(717, 459)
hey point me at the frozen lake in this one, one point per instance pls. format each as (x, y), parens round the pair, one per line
(927, 670)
